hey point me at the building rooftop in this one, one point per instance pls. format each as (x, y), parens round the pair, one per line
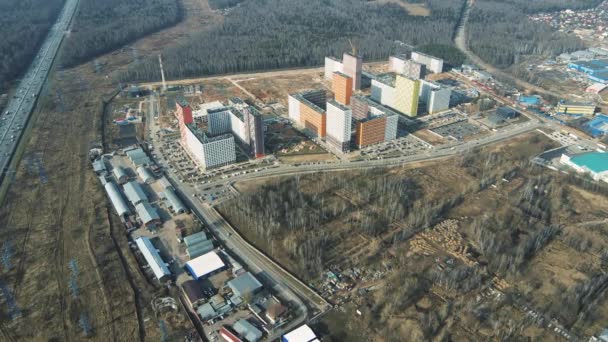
(146, 212)
(338, 105)
(134, 192)
(193, 290)
(244, 284)
(596, 64)
(203, 137)
(572, 103)
(204, 265)
(176, 204)
(150, 253)
(300, 97)
(387, 78)
(195, 238)
(596, 162)
(247, 330)
(301, 334)
(138, 156)
(341, 74)
(426, 55)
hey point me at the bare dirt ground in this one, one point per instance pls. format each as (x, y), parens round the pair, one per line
(55, 215)
(416, 9)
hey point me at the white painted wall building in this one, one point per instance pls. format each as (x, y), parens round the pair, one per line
(294, 108)
(383, 93)
(432, 64)
(435, 96)
(210, 152)
(219, 120)
(332, 65)
(390, 131)
(339, 121)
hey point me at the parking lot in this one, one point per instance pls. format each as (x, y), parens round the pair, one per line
(404, 146)
(458, 130)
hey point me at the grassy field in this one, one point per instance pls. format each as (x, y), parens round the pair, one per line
(510, 236)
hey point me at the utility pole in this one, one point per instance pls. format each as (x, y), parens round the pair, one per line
(162, 73)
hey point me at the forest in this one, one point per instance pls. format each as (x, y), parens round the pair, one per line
(515, 220)
(102, 26)
(500, 33)
(269, 34)
(23, 27)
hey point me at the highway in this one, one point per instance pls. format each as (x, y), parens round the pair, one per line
(15, 115)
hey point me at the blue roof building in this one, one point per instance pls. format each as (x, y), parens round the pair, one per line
(529, 101)
(598, 126)
(593, 163)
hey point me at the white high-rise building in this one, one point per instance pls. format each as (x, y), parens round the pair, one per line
(209, 152)
(294, 108)
(242, 120)
(435, 96)
(433, 64)
(390, 131)
(383, 90)
(219, 120)
(332, 65)
(339, 125)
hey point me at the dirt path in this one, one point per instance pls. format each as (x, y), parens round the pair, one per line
(461, 40)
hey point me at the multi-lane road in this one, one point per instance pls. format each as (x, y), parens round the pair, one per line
(15, 115)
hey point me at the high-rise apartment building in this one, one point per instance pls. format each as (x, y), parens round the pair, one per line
(209, 152)
(339, 126)
(432, 64)
(307, 109)
(383, 89)
(342, 87)
(402, 65)
(374, 122)
(435, 96)
(332, 65)
(407, 91)
(353, 66)
(242, 120)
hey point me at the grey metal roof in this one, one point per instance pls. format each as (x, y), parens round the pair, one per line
(99, 165)
(138, 157)
(206, 311)
(146, 212)
(151, 255)
(244, 284)
(145, 174)
(135, 193)
(247, 330)
(199, 249)
(119, 172)
(165, 183)
(195, 238)
(176, 204)
(116, 198)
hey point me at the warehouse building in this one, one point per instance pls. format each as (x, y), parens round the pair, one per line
(245, 285)
(339, 126)
(502, 115)
(135, 194)
(145, 175)
(120, 174)
(195, 238)
(593, 163)
(199, 249)
(575, 108)
(590, 67)
(598, 126)
(148, 215)
(164, 182)
(116, 198)
(301, 334)
(599, 77)
(205, 265)
(193, 293)
(307, 109)
(153, 258)
(138, 157)
(247, 331)
(433, 64)
(173, 201)
(99, 167)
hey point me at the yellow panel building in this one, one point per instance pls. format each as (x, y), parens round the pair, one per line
(406, 95)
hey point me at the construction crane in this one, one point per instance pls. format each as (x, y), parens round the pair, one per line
(162, 74)
(352, 47)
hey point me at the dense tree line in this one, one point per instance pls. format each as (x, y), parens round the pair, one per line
(102, 26)
(23, 27)
(500, 33)
(268, 34)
